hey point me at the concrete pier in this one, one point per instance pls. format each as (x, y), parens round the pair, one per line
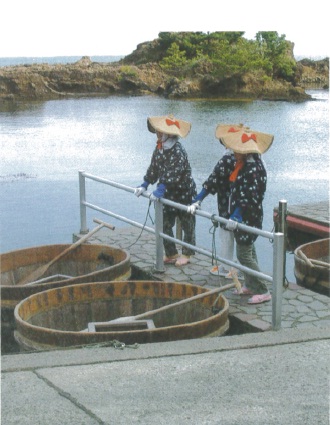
(259, 377)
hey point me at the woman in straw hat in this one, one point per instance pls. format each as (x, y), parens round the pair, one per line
(170, 167)
(247, 179)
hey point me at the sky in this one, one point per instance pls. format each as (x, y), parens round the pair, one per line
(35, 28)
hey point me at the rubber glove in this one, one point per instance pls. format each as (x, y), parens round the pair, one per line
(139, 190)
(201, 196)
(158, 193)
(234, 219)
(191, 209)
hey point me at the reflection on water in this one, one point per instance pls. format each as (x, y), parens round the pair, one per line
(44, 144)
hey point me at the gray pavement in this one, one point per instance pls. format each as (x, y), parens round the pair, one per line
(261, 377)
(275, 377)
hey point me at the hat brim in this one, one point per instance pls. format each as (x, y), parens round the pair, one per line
(169, 125)
(243, 140)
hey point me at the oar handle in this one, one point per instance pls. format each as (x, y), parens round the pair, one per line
(110, 226)
(186, 300)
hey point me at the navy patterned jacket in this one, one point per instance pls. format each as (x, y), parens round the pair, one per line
(218, 183)
(172, 168)
(247, 192)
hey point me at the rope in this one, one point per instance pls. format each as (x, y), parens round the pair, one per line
(144, 225)
(114, 343)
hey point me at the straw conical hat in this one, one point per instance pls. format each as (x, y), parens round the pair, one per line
(169, 125)
(242, 139)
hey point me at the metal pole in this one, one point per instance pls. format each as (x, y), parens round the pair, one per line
(82, 194)
(278, 277)
(282, 214)
(159, 266)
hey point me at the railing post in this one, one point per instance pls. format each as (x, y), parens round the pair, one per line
(282, 227)
(159, 266)
(278, 279)
(82, 194)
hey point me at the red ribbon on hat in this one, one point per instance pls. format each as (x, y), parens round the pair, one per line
(232, 130)
(246, 137)
(171, 122)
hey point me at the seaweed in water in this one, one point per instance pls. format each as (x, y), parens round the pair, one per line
(15, 177)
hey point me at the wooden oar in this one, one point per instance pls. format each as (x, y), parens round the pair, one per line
(40, 271)
(306, 259)
(167, 307)
(320, 263)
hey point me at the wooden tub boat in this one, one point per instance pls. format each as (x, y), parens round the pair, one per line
(312, 268)
(61, 317)
(86, 263)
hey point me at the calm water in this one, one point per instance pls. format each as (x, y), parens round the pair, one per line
(44, 144)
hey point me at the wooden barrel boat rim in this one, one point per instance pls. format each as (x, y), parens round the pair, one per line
(44, 284)
(28, 325)
(312, 262)
(134, 332)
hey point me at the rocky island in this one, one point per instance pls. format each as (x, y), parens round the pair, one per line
(180, 66)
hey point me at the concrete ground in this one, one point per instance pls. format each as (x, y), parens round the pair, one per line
(275, 377)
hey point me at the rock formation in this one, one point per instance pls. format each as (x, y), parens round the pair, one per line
(87, 78)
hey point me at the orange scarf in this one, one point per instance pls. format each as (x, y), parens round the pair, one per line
(239, 165)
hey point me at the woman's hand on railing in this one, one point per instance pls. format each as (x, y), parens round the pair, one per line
(158, 193)
(194, 207)
(139, 190)
(234, 219)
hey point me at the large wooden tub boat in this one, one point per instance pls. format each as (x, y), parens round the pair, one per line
(62, 317)
(312, 268)
(86, 263)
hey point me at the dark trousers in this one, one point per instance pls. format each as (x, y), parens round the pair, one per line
(247, 256)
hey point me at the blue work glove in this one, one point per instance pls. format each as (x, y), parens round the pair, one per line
(139, 190)
(159, 192)
(234, 219)
(201, 196)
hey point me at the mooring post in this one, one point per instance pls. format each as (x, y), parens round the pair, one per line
(82, 195)
(159, 265)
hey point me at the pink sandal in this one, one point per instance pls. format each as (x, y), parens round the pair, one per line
(244, 291)
(258, 299)
(171, 260)
(182, 261)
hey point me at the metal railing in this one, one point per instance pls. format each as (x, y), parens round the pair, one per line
(277, 279)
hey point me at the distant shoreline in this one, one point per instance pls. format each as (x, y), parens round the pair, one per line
(30, 60)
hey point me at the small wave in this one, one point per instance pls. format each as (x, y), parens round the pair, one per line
(16, 177)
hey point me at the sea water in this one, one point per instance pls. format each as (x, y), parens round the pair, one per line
(45, 144)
